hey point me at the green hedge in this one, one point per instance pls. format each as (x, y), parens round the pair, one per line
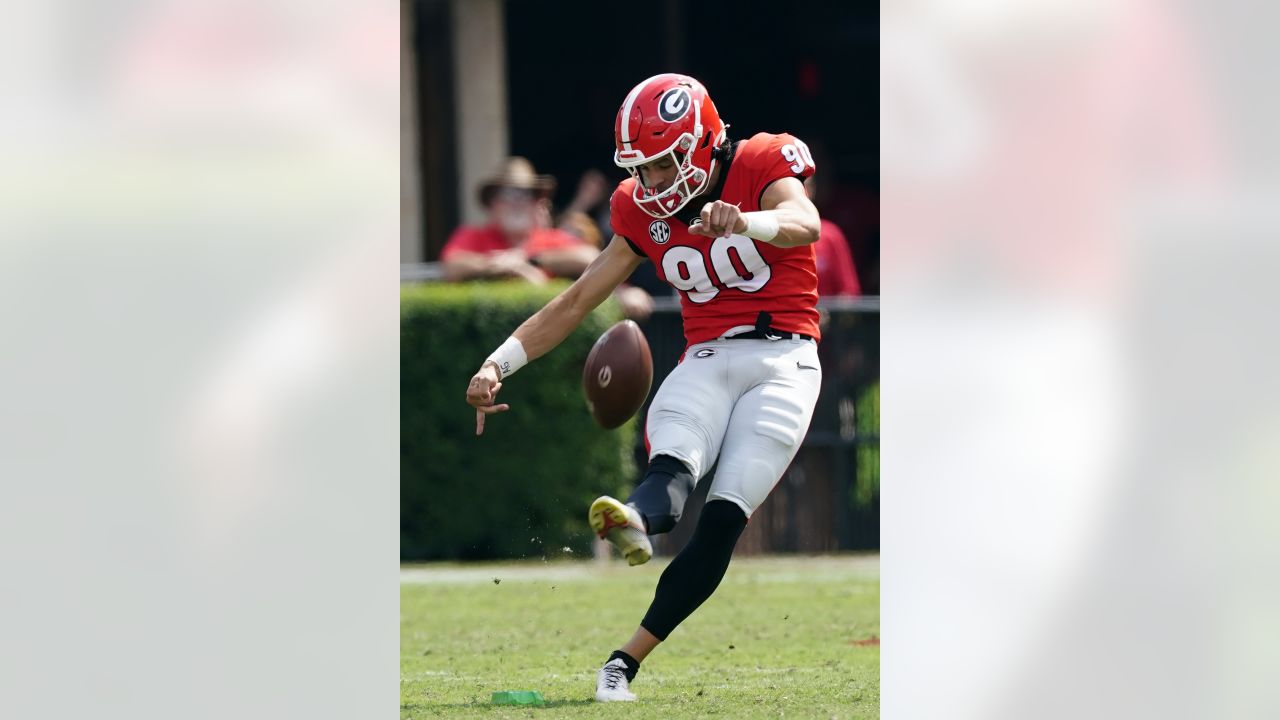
(866, 487)
(521, 489)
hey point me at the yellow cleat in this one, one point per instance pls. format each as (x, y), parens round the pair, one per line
(621, 525)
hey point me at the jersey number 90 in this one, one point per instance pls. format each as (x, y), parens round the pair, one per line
(686, 268)
(798, 155)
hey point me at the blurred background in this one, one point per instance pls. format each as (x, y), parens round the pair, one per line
(484, 81)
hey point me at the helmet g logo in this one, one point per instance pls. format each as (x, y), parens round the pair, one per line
(659, 231)
(674, 104)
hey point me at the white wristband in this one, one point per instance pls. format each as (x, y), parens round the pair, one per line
(761, 225)
(509, 357)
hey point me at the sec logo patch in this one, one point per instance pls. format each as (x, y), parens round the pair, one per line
(659, 231)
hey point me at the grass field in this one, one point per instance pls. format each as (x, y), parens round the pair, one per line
(787, 636)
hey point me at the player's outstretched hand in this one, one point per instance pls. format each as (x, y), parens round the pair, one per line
(719, 219)
(482, 392)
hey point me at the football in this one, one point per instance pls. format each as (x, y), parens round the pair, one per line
(618, 374)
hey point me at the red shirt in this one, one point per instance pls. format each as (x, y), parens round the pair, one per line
(489, 239)
(727, 282)
(836, 275)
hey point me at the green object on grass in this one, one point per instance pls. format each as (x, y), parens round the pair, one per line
(518, 697)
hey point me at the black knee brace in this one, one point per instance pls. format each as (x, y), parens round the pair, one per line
(662, 495)
(697, 570)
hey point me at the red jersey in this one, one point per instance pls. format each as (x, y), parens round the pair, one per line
(727, 282)
(488, 239)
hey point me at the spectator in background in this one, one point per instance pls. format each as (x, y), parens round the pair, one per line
(577, 219)
(836, 274)
(636, 298)
(518, 241)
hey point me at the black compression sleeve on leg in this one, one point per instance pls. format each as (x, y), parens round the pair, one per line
(696, 571)
(662, 495)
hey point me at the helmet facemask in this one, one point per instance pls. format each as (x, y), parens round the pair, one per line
(690, 180)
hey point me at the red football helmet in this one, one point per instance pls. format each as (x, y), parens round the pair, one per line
(668, 114)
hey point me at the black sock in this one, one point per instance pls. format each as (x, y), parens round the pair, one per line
(633, 665)
(696, 570)
(660, 498)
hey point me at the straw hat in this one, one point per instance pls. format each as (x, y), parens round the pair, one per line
(517, 173)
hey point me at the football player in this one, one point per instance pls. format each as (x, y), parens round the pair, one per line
(728, 224)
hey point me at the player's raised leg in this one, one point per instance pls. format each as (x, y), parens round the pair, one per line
(623, 526)
(661, 496)
(652, 509)
(686, 425)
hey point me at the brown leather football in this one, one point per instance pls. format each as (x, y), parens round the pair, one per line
(618, 374)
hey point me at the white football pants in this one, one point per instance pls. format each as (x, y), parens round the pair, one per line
(748, 402)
